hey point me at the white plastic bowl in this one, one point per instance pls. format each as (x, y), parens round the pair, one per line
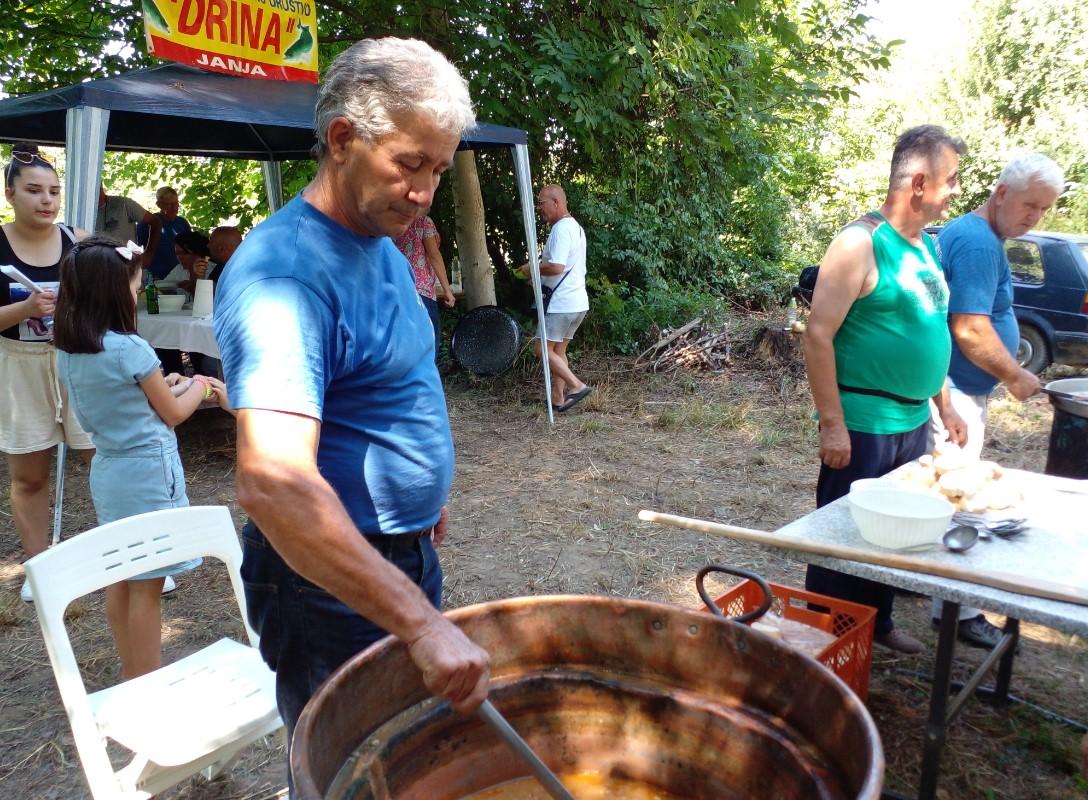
(862, 484)
(171, 302)
(897, 518)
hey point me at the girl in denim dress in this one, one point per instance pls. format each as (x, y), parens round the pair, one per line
(123, 401)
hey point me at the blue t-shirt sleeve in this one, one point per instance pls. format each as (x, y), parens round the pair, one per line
(137, 359)
(973, 277)
(277, 343)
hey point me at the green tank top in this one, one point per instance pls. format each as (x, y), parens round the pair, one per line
(896, 338)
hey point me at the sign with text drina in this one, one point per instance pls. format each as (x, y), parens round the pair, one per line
(271, 39)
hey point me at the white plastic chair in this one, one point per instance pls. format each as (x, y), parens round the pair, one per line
(193, 715)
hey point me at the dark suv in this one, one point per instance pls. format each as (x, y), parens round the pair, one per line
(1050, 298)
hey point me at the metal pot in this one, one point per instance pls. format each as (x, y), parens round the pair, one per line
(1067, 450)
(691, 704)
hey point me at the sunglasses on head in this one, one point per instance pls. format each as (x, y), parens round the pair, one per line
(24, 157)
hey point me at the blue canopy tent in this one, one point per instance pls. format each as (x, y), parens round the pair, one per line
(160, 109)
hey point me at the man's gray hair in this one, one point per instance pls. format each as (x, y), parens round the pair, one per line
(163, 192)
(1022, 170)
(375, 80)
(925, 142)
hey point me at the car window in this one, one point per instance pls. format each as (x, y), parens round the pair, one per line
(1084, 250)
(1025, 261)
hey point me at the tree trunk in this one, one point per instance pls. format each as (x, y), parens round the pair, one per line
(477, 279)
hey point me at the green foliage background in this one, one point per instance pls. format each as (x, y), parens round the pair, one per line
(1012, 81)
(710, 148)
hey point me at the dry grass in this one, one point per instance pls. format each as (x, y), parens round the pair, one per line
(537, 509)
(695, 413)
(11, 608)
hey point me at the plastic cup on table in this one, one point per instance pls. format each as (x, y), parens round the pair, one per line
(202, 298)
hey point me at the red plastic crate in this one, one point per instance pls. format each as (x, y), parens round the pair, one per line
(850, 656)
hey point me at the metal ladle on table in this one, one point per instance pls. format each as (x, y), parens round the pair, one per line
(960, 538)
(506, 732)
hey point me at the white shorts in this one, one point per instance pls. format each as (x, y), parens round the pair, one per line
(559, 326)
(34, 410)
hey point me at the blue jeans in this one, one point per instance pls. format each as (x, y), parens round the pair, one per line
(871, 456)
(436, 323)
(306, 633)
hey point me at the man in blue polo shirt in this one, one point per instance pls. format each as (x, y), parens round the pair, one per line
(985, 334)
(163, 258)
(345, 456)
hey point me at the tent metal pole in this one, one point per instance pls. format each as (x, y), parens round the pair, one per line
(58, 501)
(272, 173)
(84, 151)
(528, 216)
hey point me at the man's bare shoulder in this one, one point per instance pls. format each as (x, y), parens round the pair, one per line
(852, 247)
(847, 269)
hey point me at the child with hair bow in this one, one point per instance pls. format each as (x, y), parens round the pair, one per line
(122, 399)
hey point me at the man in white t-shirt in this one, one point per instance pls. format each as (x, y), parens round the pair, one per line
(563, 270)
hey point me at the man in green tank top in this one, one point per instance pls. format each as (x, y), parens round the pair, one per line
(877, 346)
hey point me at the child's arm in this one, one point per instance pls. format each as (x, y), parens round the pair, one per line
(178, 383)
(175, 410)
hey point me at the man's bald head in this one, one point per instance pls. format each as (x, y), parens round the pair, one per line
(223, 242)
(551, 201)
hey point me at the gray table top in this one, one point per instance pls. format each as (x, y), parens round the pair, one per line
(1055, 548)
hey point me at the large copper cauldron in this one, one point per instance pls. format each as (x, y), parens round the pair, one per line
(683, 701)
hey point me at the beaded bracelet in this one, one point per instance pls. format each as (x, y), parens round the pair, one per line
(207, 386)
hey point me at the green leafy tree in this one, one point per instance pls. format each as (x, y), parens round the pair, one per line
(211, 190)
(51, 43)
(1013, 82)
(682, 130)
(1023, 86)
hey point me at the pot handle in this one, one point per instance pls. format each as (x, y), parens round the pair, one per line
(768, 597)
(1062, 395)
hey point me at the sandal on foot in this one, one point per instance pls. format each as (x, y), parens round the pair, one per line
(577, 397)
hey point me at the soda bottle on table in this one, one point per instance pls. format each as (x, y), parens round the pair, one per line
(151, 294)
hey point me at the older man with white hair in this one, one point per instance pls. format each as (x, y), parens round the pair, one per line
(985, 334)
(345, 456)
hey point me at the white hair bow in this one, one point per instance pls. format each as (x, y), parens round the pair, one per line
(130, 249)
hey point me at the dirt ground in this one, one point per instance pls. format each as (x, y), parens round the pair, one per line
(540, 510)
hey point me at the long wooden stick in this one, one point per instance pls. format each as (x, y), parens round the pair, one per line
(1006, 581)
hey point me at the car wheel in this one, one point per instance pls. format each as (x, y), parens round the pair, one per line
(1033, 353)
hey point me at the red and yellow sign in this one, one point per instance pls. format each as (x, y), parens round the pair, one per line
(272, 39)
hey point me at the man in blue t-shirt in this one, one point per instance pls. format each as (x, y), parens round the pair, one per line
(164, 258)
(985, 334)
(345, 456)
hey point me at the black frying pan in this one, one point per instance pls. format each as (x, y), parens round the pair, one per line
(486, 341)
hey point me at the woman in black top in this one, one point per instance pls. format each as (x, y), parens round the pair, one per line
(34, 414)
